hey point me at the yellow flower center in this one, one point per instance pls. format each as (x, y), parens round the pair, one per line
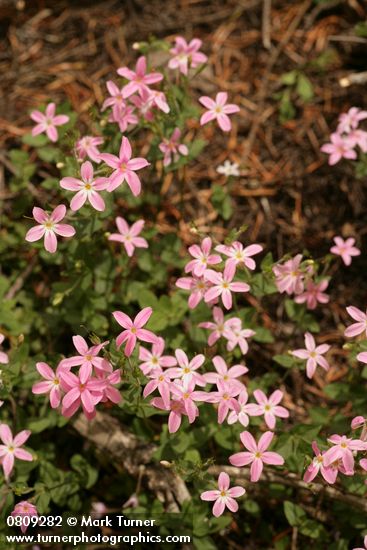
(223, 493)
(88, 186)
(186, 370)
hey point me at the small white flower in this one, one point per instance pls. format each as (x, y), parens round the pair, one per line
(229, 169)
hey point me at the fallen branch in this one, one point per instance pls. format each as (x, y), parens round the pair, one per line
(135, 456)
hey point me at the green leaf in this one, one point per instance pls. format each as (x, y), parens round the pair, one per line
(294, 513)
(286, 361)
(304, 88)
(289, 79)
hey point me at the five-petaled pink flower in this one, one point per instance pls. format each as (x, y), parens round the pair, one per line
(47, 122)
(187, 395)
(225, 374)
(349, 121)
(171, 148)
(237, 336)
(358, 327)
(329, 473)
(134, 329)
(313, 294)
(197, 286)
(80, 392)
(219, 326)
(155, 358)
(4, 359)
(87, 146)
(116, 99)
(129, 236)
(177, 410)
(186, 55)
(237, 254)
(338, 148)
(241, 415)
(159, 380)
(288, 276)
(50, 385)
(49, 227)
(87, 358)
(186, 370)
(11, 448)
(87, 188)
(139, 79)
(224, 396)
(257, 455)
(313, 354)
(24, 509)
(124, 168)
(223, 285)
(203, 258)
(345, 249)
(342, 449)
(219, 110)
(224, 496)
(269, 407)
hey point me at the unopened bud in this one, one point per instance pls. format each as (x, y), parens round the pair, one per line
(60, 165)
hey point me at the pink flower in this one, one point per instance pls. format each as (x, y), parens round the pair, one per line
(186, 370)
(268, 406)
(289, 277)
(87, 146)
(329, 473)
(186, 55)
(358, 422)
(49, 227)
(50, 385)
(350, 120)
(197, 286)
(242, 415)
(144, 102)
(237, 336)
(11, 448)
(187, 395)
(257, 455)
(225, 396)
(80, 392)
(116, 99)
(313, 294)
(128, 236)
(223, 285)
(47, 122)
(87, 359)
(338, 148)
(4, 359)
(158, 99)
(24, 509)
(219, 326)
(124, 168)
(87, 188)
(219, 110)
(358, 137)
(171, 148)
(224, 497)
(153, 359)
(139, 79)
(365, 545)
(177, 410)
(360, 326)
(123, 117)
(345, 249)
(159, 380)
(203, 258)
(225, 374)
(110, 379)
(313, 354)
(237, 254)
(134, 329)
(342, 449)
